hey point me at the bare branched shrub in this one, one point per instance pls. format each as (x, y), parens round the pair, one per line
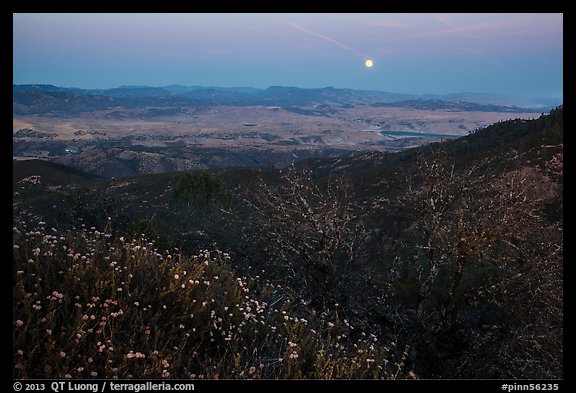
(308, 229)
(484, 239)
(532, 289)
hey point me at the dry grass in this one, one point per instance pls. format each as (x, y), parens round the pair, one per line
(347, 127)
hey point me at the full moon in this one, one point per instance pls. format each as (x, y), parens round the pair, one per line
(368, 63)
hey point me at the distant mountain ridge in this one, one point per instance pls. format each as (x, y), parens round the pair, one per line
(50, 99)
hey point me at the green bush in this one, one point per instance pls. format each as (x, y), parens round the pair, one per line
(203, 190)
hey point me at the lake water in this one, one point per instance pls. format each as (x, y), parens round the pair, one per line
(417, 134)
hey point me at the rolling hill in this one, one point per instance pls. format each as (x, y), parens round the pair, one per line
(53, 100)
(452, 251)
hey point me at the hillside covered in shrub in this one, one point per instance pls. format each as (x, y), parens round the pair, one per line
(444, 261)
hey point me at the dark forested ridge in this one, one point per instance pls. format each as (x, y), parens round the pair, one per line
(444, 261)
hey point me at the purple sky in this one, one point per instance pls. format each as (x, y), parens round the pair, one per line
(519, 54)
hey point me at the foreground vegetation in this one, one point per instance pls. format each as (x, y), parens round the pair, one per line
(88, 305)
(440, 262)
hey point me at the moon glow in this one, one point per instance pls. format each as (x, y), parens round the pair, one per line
(368, 63)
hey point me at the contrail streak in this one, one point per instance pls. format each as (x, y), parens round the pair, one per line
(323, 37)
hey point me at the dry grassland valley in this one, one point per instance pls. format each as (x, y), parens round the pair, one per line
(133, 130)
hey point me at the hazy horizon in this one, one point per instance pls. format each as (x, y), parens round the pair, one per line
(508, 54)
(456, 93)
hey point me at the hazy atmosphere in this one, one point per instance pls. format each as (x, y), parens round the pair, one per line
(519, 54)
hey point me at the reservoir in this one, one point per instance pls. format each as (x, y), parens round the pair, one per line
(405, 134)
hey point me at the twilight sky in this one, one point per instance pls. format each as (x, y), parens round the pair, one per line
(519, 54)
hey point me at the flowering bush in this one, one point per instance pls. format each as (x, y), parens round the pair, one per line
(90, 305)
